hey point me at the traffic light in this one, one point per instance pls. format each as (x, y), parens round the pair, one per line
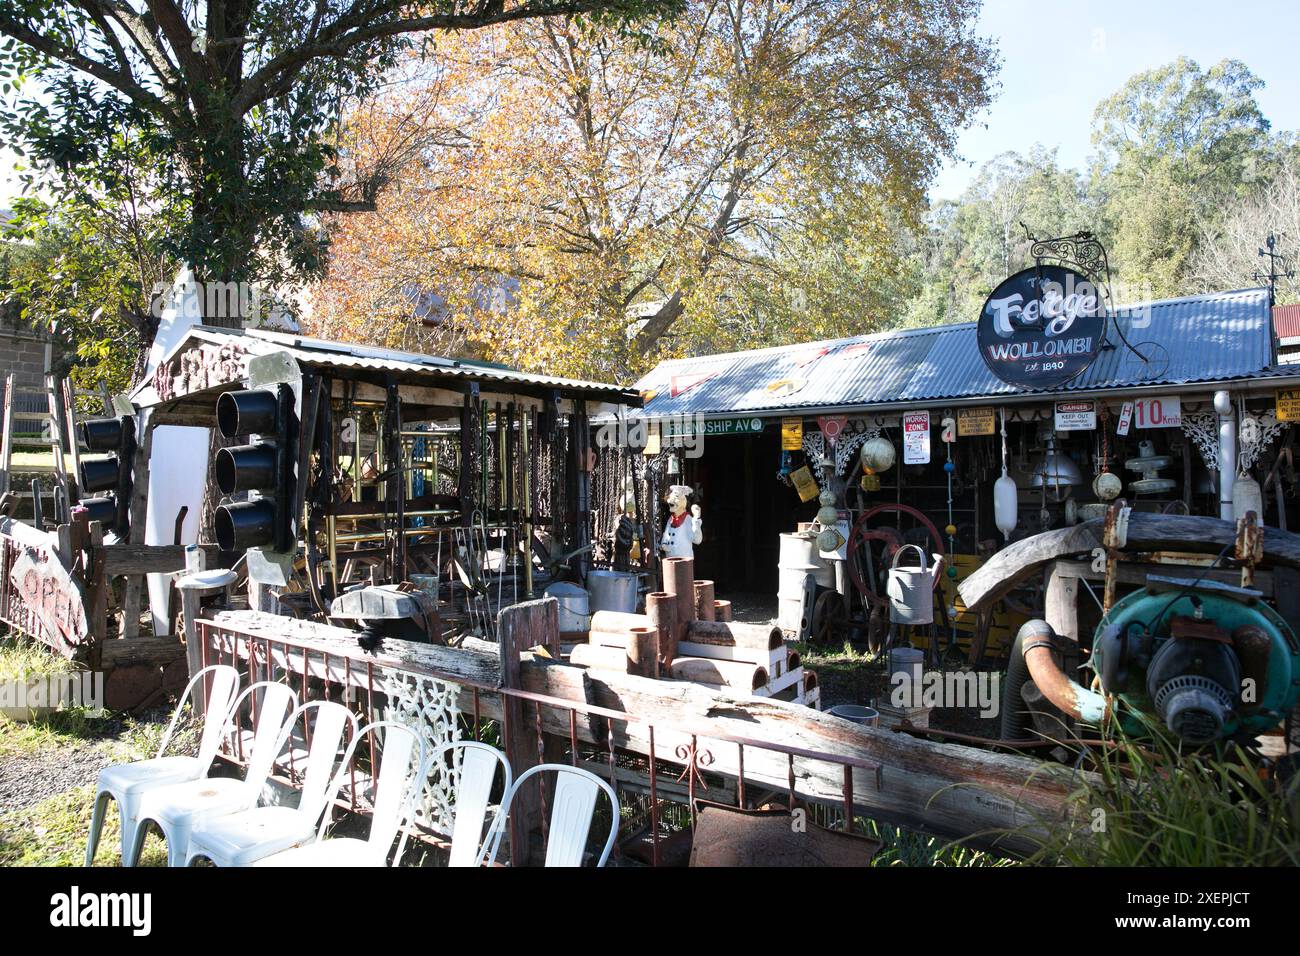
(264, 467)
(112, 474)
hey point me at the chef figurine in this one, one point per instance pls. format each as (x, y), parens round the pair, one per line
(683, 531)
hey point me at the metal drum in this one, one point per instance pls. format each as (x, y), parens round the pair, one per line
(574, 604)
(612, 591)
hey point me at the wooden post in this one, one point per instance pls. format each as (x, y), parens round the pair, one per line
(704, 602)
(520, 627)
(1061, 604)
(722, 611)
(661, 610)
(679, 581)
(643, 652)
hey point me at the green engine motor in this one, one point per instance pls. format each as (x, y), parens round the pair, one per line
(1211, 661)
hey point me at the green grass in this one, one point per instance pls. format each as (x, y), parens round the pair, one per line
(21, 657)
(32, 459)
(1151, 804)
(909, 848)
(54, 833)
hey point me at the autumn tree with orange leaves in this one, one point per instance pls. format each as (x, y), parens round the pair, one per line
(570, 200)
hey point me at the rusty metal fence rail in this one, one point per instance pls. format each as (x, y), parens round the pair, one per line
(14, 610)
(665, 753)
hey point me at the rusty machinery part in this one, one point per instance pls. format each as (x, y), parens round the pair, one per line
(1033, 658)
(864, 565)
(830, 618)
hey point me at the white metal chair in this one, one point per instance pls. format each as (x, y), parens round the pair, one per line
(396, 787)
(238, 839)
(126, 783)
(573, 808)
(478, 772)
(178, 808)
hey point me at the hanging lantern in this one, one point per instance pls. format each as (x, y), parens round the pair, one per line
(877, 455)
(870, 483)
(1107, 486)
(1057, 472)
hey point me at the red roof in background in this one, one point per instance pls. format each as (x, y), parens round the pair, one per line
(1286, 321)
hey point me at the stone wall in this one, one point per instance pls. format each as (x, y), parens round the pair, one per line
(24, 355)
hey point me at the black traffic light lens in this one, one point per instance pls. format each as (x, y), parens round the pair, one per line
(103, 510)
(99, 474)
(241, 413)
(245, 524)
(245, 468)
(100, 434)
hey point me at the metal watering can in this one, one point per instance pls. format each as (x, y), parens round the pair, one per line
(911, 590)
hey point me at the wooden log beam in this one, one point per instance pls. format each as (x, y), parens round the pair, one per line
(994, 800)
(1147, 532)
(150, 558)
(153, 651)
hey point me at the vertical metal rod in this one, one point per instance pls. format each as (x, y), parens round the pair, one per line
(690, 777)
(527, 501)
(848, 798)
(654, 803)
(740, 776)
(370, 706)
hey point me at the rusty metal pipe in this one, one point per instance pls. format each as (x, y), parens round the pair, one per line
(1035, 640)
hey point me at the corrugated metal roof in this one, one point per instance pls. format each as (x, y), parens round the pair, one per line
(427, 369)
(1286, 321)
(1197, 339)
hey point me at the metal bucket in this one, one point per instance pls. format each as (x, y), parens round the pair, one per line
(911, 590)
(612, 591)
(906, 665)
(574, 604)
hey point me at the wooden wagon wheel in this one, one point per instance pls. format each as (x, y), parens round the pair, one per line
(875, 539)
(830, 618)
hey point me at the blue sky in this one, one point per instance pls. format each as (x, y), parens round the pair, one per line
(1060, 59)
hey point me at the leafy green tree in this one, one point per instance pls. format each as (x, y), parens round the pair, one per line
(972, 245)
(1174, 143)
(81, 265)
(232, 101)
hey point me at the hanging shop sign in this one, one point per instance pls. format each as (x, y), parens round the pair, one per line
(1125, 419)
(1288, 404)
(1041, 327)
(1163, 412)
(975, 421)
(1076, 416)
(916, 438)
(791, 434)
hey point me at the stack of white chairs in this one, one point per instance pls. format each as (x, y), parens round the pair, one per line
(127, 783)
(218, 818)
(243, 838)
